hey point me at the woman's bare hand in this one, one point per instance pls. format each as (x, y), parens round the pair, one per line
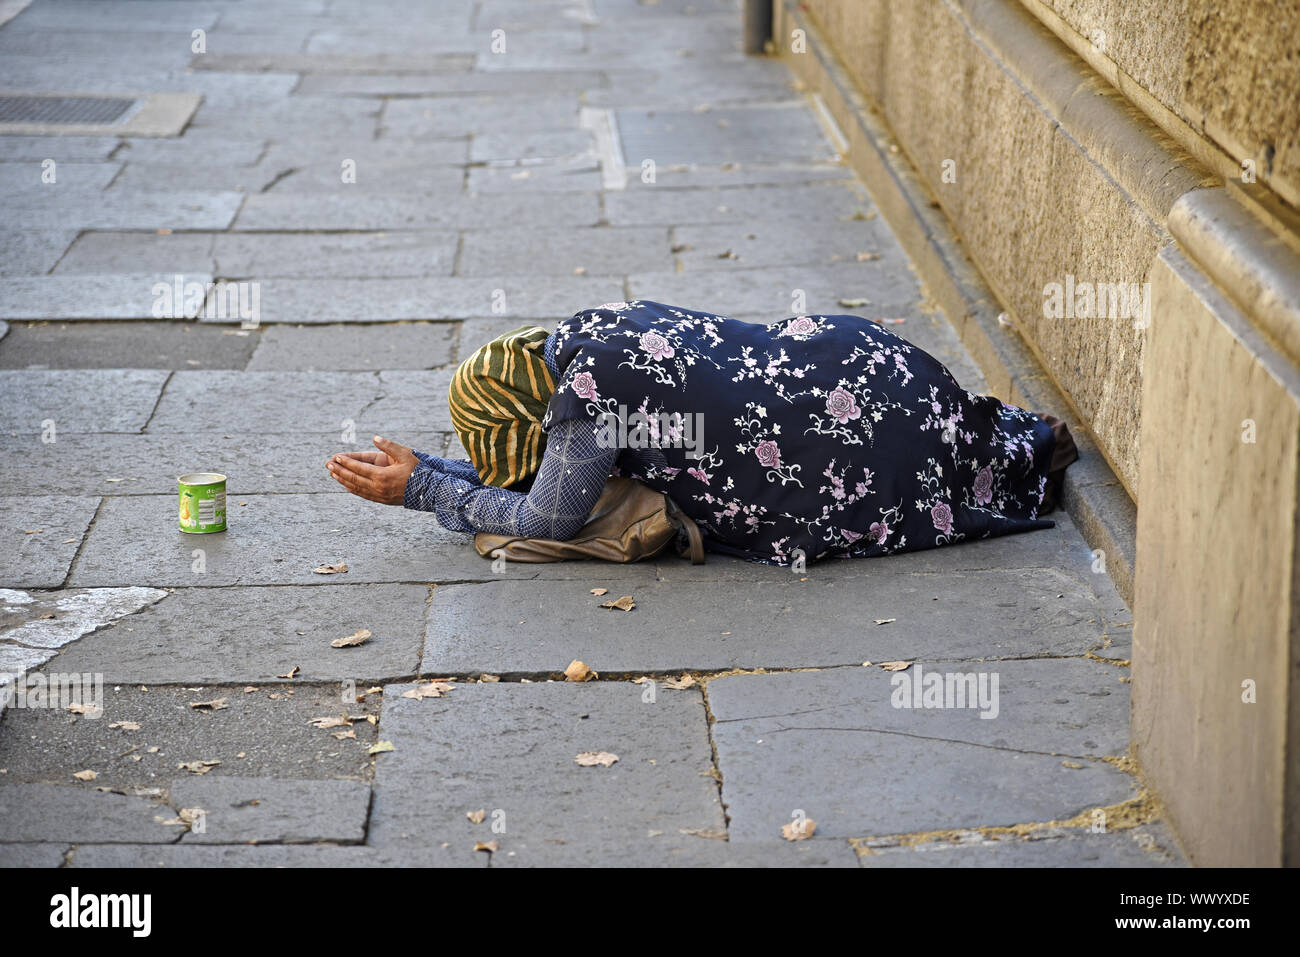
(379, 476)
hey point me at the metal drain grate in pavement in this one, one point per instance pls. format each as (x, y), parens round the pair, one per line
(96, 110)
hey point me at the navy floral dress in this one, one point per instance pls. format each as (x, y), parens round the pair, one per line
(822, 435)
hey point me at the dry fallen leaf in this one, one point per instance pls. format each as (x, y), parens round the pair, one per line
(359, 637)
(331, 569)
(589, 759)
(895, 665)
(293, 673)
(884, 621)
(1071, 764)
(198, 767)
(434, 689)
(86, 775)
(380, 747)
(476, 816)
(349, 734)
(623, 604)
(799, 830)
(489, 679)
(868, 257)
(216, 704)
(78, 708)
(578, 671)
(854, 302)
(330, 721)
(490, 846)
(250, 689)
(679, 684)
(600, 591)
(125, 725)
(712, 834)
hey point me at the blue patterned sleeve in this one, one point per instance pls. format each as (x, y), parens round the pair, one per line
(571, 477)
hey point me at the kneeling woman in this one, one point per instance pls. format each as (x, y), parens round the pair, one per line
(818, 435)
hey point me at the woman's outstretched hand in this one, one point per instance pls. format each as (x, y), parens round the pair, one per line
(379, 476)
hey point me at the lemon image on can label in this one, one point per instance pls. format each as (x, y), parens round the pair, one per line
(202, 502)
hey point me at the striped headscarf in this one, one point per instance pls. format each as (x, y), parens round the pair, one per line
(498, 398)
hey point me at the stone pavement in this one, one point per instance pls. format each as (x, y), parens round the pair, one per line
(591, 150)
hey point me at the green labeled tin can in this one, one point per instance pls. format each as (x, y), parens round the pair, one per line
(202, 502)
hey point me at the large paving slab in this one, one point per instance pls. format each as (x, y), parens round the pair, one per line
(33, 855)
(53, 619)
(1148, 845)
(103, 296)
(253, 635)
(356, 211)
(39, 537)
(32, 252)
(342, 255)
(77, 812)
(255, 736)
(263, 402)
(388, 300)
(139, 345)
(442, 117)
(62, 149)
(273, 540)
(767, 133)
(279, 539)
(529, 627)
(781, 747)
(164, 254)
(771, 293)
(150, 464)
(88, 177)
(119, 209)
(256, 810)
(829, 202)
(401, 176)
(407, 345)
(510, 749)
(748, 245)
(452, 83)
(181, 176)
(269, 855)
(600, 251)
(99, 400)
(709, 850)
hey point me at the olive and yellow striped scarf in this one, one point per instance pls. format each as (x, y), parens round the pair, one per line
(498, 398)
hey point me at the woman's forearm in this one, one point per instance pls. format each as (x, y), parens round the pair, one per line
(568, 483)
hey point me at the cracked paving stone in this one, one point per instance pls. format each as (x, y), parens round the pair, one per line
(75, 813)
(264, 402)
(252, 635)
(116, 464)
(33, 855)
(96, 400)
(39, 537)
(32, 252)
(1148, 845)
(854, 779)
(539, 626)
(56, 619)
(242, 810)
(46, 746)
(510, 749)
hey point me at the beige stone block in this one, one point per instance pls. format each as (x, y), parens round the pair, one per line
(1217, 599)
